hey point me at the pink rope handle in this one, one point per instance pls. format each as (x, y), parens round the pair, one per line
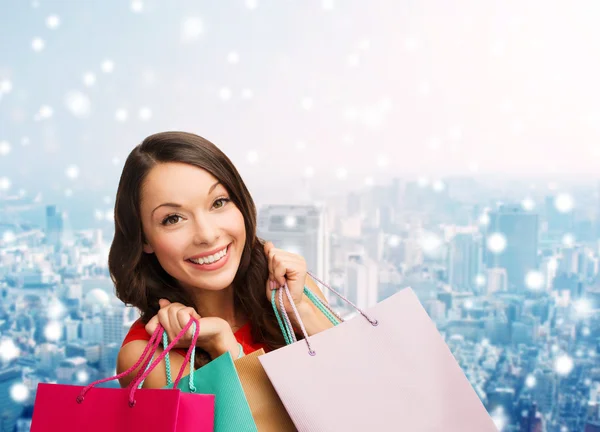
(297, 314)
(155, 344)
(164, 353)
(151, 344)
(373, 322)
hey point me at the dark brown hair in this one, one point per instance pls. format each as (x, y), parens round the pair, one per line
(139, 278)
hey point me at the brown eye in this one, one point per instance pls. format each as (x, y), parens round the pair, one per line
(223, 200)
(168, 218)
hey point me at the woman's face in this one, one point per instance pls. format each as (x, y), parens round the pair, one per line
(186, 213)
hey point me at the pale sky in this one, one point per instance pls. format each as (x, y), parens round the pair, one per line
(343, 89)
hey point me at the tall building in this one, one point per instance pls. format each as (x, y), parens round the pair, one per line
(496, 280)
(465, 260)
(362, 281)
(92, 330)
(54, 225)
(113, 320)
(559, 223)
(11, 410)
(520, 230)
(298, 229)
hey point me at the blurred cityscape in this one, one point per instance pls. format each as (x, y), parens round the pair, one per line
(510, 278)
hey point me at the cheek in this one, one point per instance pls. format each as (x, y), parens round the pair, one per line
(169, 246)
(240, 227)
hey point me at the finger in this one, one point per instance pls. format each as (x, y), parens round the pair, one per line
(279, 270)
(267, 246)
(175, 328)
(271, 255)
(152, 324)
(163, 303)
(183, 316)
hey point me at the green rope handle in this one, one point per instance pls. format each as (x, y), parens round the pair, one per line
(165, 341)
(319, 304)
(315, 300)
(284, 328)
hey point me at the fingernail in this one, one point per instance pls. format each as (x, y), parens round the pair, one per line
(272, 285)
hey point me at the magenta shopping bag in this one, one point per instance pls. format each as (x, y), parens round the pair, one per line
(387, 369)
(73, 408)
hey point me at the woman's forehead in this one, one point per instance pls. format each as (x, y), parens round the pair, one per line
(176, 181)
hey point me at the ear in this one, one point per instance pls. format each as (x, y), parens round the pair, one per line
(148, 249)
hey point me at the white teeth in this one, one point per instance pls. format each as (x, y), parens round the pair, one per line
(211, 258)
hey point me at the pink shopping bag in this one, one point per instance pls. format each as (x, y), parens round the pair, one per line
(73, 408)
(387, 369)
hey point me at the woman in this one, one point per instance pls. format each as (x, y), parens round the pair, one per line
(185, 246)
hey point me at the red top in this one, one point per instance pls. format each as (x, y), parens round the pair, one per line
(243, 336)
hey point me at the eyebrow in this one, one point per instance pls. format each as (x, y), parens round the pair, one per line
(212, 188)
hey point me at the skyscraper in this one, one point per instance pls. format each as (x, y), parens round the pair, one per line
(54, 225)
(465, 259)
(298, 229)
(362, 281)
(519, 256)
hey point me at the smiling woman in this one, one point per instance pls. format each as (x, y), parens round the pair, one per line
(185, 246)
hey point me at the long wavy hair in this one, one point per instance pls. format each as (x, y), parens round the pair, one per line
(139, 278)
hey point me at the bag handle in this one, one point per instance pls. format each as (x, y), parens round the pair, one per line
(373, 322)
(151, 346)
(165, 343)
(286, 320)
(191, 349)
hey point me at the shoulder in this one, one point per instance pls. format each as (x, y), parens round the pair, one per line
(129, 355)
(137, 331)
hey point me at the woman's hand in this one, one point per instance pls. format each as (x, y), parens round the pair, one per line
(215, 335)
(286, 267)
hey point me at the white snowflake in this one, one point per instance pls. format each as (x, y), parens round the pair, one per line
(251, 4)
(8, 350)
(496, 243)
(233, 58)
(137, 6)
(121, 115)
(53, 331)
(19, 392)
(78, 104)
(247, 94)
(564, 203)
(225, 93)
(534, 280)
(327, 4)
(4, 183)
(192, 28)
(307, 103)
(4, 148)
(5, 86)
(72, 172)
(53, 21)
(107, 66)
(38, 44)
(252, 156)
(145, 114)
(89, 79)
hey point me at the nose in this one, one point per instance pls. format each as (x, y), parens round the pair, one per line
(206, 230)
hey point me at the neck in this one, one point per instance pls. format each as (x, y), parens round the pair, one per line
(217, 304)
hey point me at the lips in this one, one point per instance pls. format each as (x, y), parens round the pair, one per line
(207, 254)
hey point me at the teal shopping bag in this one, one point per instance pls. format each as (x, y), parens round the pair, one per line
(219, 377)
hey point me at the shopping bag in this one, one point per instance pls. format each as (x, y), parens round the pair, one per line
(70, 408)
(219, 377)
(387, 369)
(267, 410)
